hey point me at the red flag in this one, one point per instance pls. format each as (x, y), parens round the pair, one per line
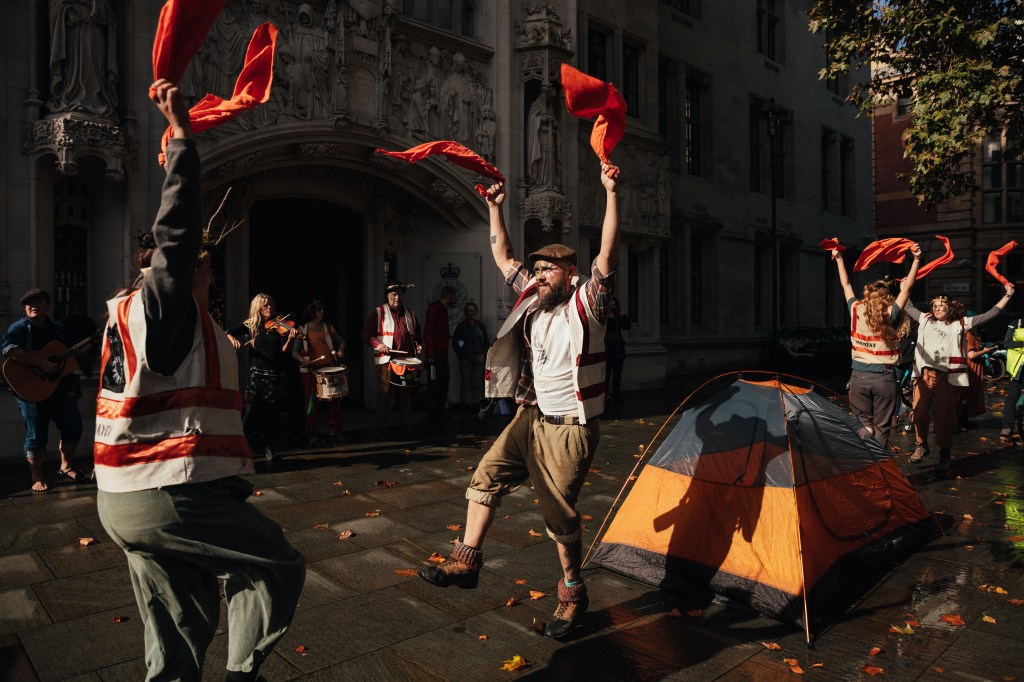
(941, 260)
(455, 153)
(251, 88)
(992, 262)
(182, 28)
(891, 250)
(832, 245)
(586, 96)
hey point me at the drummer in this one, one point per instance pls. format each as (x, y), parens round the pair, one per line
(321, 346)
(391, 331)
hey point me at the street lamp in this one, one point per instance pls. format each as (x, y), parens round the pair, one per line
(773, 116)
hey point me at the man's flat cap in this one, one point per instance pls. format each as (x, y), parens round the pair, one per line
(34, 293)
(555, 252)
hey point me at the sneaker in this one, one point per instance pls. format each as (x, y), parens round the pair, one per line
(268, 454)
(1006, 432)
(920, 452)
(452, 574)
(572, 604)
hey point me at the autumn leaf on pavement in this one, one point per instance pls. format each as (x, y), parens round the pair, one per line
(85, 542)
(120, 619)
(906, 630)
(338, 483)
(938, 670)
(536, 534)
(695, 613)
(512, 601)
(257, 493)
(588, 517)
(520, 581)
(817, 665)
(437, 558)
(992, 588)
(796, 669)
(482, 637)
(300, 648)
(320, 526)
(454, 526)
(516, 663)
(988, 619)
(875, 650)
(968, 517)
(771, 646)
(952, 619)
(405, 572)
(1015, 538)
(536, 594)
(387, 484)
(791, 661)
(872, 670)
(373, 513)
(345, 535)
(1015, 602)
(911, 620)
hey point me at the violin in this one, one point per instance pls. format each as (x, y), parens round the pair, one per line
(283, 326)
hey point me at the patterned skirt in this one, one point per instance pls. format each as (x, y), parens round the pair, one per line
(266, 386)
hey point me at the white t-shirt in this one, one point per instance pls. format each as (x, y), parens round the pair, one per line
(552, 362)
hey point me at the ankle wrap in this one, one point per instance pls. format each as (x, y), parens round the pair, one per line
(571, 595)
(470, 556)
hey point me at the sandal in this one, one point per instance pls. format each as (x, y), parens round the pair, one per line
(70, 475)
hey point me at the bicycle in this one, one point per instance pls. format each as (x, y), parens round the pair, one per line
(994, 366)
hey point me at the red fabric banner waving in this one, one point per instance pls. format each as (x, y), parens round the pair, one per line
(455, 153)
(891, 250)
(832, 245)
(182, 28)
(941, 260)
(251, 88)
(586, 97)
(992, 262)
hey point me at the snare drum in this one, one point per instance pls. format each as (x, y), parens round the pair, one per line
(331, 382)
(406, 371)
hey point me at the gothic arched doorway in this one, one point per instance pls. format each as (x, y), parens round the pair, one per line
(304, 249)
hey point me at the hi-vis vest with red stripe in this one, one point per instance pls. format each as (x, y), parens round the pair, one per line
(943, 346)
(503, 357)
(386, 330)
(168, 430)
(867, 346)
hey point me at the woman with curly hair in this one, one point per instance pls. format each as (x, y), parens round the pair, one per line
(877, 325)
(267, 390)
(940, 370)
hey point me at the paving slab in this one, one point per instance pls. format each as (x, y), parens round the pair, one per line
(86, 593)
(417, 494)
(22, 569)
(333, 510)
(14, 662)
(365, 571)
(89, 643)
(42, 536)
(44, 511)
(375, 531)
(20, 609)
(74, 559)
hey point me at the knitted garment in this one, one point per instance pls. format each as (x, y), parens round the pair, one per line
(470, 556)
(571, 595)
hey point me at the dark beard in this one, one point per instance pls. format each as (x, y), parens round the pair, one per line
(556, 296)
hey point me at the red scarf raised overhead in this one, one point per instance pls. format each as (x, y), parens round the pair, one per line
(182, 28)
(941, 260)
(892, 250)
(832, 245)
(251, 88)
(455, 153)
(992, 262)
(586, 97)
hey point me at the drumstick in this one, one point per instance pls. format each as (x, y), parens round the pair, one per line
(395, 350)
(322, 357)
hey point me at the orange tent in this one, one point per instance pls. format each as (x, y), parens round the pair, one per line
(767, 494)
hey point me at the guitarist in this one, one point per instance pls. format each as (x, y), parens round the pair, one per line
(32, 333)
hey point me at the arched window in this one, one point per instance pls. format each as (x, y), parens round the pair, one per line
(73, 208)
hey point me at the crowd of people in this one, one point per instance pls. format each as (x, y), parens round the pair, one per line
(176, 428)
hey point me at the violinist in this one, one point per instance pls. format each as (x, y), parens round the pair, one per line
(266, 394)
(322, 346)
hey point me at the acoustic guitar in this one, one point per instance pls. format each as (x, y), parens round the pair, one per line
(33, 385)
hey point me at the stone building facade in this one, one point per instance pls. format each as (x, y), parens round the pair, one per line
(316, 214)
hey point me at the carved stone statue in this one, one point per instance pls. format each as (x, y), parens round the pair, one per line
(223, 54)
(423, 117)
(486, 133)
(460, 108)
(308, 44)
(83, 57)
(542, 128)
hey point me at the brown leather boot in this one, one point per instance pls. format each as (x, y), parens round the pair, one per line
(462, 571)
(572, 603)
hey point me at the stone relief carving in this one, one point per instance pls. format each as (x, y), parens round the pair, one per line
(544, 169)
(307, 42)
(424, 116)
(644, 194)
(450, 195)
(542, 26)
(550, 208)
(460, 104)
(83, 58)
(236, 165)
(308, 150)
(69, 137)
(486, 133)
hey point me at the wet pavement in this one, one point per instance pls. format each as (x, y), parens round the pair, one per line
(67, 610)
